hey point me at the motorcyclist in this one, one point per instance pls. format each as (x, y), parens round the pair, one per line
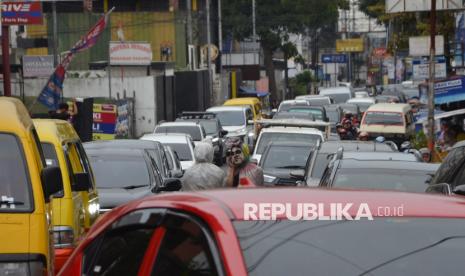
(203, 174)
(350, 132)
(363, 136)
(240, 167)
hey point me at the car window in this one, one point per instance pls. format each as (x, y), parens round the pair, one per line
(119, 171)
(286, 157)
(320, 164)
(121, 249)
(383, 118)
(184, 250)
(183, 151)
(15, 188)
(50, 155)
(266, 138)
(74, 157)
(231, 118)
(85, 162)
(249, 115)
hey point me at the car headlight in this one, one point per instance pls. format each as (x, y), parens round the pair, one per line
(63, 236)
(269, 178)
(215, 140)
(93, 208)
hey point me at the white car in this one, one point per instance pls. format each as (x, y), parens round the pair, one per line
(194, 129)
(294, 134)
(237, 121)
(363, 103)
(339, 94)
(182, 144)
(316, 100)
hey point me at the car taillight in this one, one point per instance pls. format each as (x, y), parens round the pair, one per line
(63, 236)
(22, 268)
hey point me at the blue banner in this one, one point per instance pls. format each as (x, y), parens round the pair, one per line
(333, 58)
(452, 90)
(51, 94)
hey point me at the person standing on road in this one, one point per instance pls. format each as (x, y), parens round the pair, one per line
(203, 174)
(239, 166)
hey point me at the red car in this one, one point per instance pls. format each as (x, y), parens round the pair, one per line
(216, 233)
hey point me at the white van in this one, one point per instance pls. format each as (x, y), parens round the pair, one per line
(338, 94)
(393, 121)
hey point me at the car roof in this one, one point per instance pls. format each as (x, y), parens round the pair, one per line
(179, 123)
(389, 107)
(361, 100)
(333, 146)
(123, 143)
(174, 138)
(228, 108)
(298, 130)
(380, 156)
(290, 144)
(15, 117)
(242, 101)
(388, 165)
(334, 90)
(123, 152)
(229, 203)
(298, 101)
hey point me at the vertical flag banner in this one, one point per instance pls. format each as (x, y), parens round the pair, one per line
(51, 93)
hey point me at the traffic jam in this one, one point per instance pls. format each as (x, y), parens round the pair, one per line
(232, 138)
(230, 192)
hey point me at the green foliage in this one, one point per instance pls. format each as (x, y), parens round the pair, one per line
(299, 84)
(419, 141)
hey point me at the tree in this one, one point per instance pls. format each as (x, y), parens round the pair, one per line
(275, 20)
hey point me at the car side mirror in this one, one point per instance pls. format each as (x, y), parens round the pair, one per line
(298, 175)
(177, 173)
(52, 181)
(223, 133)
(81, 182)
(442, 188)
(459, 190)
(169, 185)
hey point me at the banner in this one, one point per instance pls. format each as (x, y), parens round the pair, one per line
(51, 94)
(22, 13)
(104, 123)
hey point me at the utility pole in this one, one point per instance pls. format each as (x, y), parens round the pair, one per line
(432, 76)
(189, 22)
(254, 26)
(55, 33)
(220, 46)
(207, 2)
(6, 60)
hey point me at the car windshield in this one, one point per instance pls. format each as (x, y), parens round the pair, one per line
(386, 179)
(210, 126)
(339, 97)
(15, 193)
(231, 118)
(118, 171)
(383, 118)
(286, 157)
(183, 151)
(404, 246)
(193, 131)
(266, 138)
(333, 115)
(321, 161)
(317, 112)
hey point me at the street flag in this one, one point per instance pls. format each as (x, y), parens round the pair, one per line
(51, 93)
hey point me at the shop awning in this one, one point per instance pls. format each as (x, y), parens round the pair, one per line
(243, 90)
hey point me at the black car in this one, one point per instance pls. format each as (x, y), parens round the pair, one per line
(213, 129)
(123, 175)
(320, 159)
(154, 149)
(450, 177)
(281, 159)
(383, 171)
